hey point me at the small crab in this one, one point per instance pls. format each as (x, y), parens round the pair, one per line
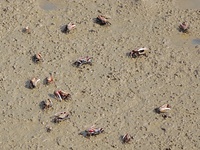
(27, 30)
(93, 131)
(102, 20)
(49, 79)
(37, 58)
(138, 52)
(83, 60)
(33, 82)
(49, 129)
(47, 104)
(184, 27)
(61, 116)
(126, 138)
(164, 108)
(69, 27)
(62, 95)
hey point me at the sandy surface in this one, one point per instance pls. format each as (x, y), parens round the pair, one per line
(116, 93)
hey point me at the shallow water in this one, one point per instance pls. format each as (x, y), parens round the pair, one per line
(189, 4)
(47, 5)
(196, 41)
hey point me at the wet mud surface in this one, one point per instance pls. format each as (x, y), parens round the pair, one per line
(116, 93)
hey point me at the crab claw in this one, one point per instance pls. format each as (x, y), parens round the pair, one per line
(33, 82)
(164, 108)
(184, 26)
(142, 51)
(57, 95)
(69, 27)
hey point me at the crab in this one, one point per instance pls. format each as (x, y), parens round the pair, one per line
(33, 82)
(49, 79)
(83, 61)
(102, 20)
(93, 131)
(69, 27)
(163, 109)
(126, 138)
(61, 116)
(47, 104)
(184, 27)
(26, 30)
(61, 95)
(49, 129)
(138, 52)
(37, 58)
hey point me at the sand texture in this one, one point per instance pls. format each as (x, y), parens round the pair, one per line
(116, 93)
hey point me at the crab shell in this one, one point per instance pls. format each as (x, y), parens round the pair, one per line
(27, 30)
(184, 26)
(164, 108)
(103, 20)
(49, 80)
(62, 115)
(38, 56)
(48, 103)
(71, 26)
(94, 131)
(126, 138)
(64, 95)
(33, 82)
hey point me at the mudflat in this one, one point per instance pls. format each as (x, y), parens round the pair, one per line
(117, 93)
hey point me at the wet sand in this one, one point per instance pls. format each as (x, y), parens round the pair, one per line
(116, 93)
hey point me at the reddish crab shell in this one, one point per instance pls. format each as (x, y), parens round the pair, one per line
(94, 131)
(184, 27)
(61, 95)
(61, 116)
(69, 27)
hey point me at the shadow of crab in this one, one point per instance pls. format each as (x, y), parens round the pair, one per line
(28, 85)
(156, 110)
(84, 134)
(42, 105)
(63, 28)
(45, 82)
(121, 139)
(128, 54)
(52, 96)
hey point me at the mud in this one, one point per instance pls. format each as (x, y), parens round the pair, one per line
(116, 93)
